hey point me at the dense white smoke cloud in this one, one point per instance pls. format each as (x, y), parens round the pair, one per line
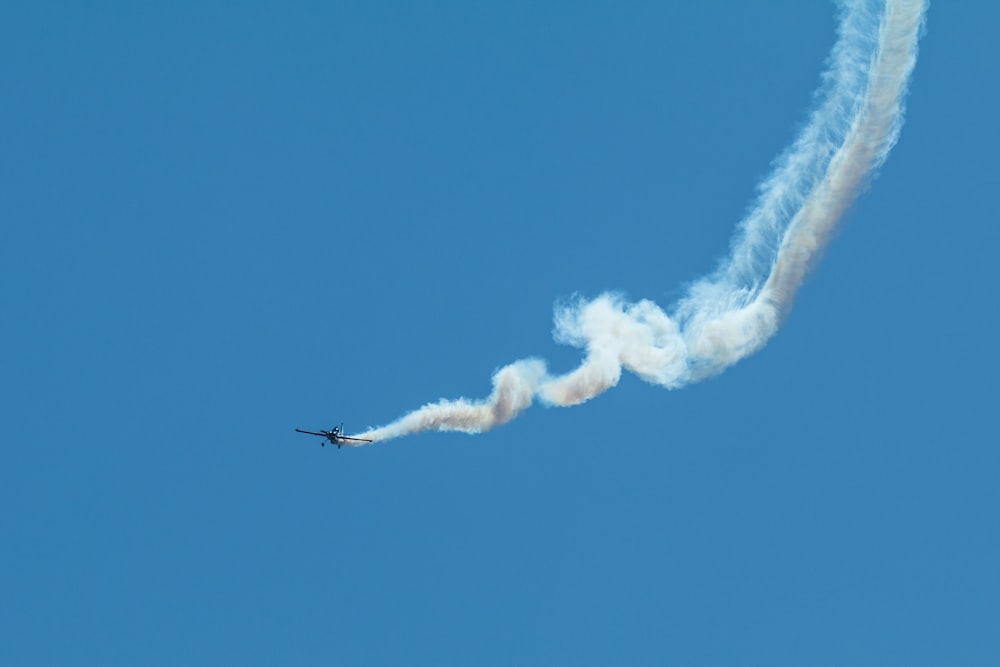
(733, 312)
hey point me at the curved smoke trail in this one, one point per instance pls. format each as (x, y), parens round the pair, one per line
(733, 312)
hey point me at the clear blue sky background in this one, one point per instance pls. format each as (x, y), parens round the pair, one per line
(224, 221)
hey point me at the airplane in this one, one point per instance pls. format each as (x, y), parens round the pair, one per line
(335, 436)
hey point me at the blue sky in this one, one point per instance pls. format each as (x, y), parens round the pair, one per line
(223, 223)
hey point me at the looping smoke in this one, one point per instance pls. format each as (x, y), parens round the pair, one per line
(734, 311)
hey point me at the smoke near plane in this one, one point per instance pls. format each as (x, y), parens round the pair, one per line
(734, 311)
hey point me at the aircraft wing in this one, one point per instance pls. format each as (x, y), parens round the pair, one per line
(322, 435)
(344, 437)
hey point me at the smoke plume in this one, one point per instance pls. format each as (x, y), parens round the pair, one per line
(734, 311)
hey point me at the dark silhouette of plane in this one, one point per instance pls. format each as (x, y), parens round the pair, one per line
(335, 436)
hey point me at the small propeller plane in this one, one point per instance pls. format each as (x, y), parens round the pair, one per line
(335, 436)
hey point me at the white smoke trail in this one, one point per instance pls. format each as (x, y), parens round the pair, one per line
(736, 310)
